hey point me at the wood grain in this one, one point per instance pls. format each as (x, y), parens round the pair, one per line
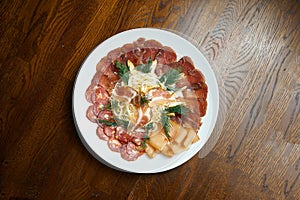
(253, 46)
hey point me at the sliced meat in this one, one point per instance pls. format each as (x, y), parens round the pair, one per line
(100, 133)
(125, 93)
(100, 96)
(109, 131)
(193, 119)
(189, 94)
(148, 53)
(183, 83)
(159, 92)
(96, 78)
(195, 76)
(127, 47)
(106, 115)
(122, 135)
(166, 55)
(112, 73)
(201, 93)
(130, 152)
(161, 69)
(202, 107)
(153, 44)
(89, 93)
(113, 54)
(105, 82)
(187, 64)
(139, 43)
(135, 56)
(90, 114)
(103, 64)
(114, 145)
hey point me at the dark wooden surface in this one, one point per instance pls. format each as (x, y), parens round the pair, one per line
(254, 44)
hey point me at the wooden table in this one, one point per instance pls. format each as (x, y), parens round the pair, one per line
(254, 44)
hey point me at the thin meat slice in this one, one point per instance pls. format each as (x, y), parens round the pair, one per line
(113, 54)
(106, 115)
(125, 93)
(103, 64)
(89, 93)
(90, 114)
(161, 69)
(109, 131)
(114, 145)
(100, 133)
(187, 64)
(135, 56)
(122, 135)
(195, 76)
(130, 152)
(153, 44)
(165, 55)
(100, 95)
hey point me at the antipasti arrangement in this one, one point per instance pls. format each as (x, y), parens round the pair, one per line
(146, 101)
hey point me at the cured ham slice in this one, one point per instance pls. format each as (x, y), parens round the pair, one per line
(125, 93)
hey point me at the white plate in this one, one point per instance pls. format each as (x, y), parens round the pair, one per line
(87, 129)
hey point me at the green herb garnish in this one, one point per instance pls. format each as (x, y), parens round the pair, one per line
(122, 122)
(144, 100)
(123, 71)
(165, 121)
(179, 109)
(146, 137)
(144, 142)
(113, 104)
(170, 111)
(107, 123)
(149, 127)
(171, 77)
(145, 68)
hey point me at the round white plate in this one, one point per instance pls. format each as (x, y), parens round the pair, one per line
(87, 129)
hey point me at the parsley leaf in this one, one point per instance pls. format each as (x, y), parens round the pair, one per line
(122, 123)
(123, 71)
(165, 116)
(171, 77)
(179, 109)
(145, 68)
(146, 137)
(165, 121)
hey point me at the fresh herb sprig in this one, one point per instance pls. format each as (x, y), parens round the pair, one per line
(170, 111)
(178, 109)
(123, 71)
(171, 77)
(107, 123)
(146, 137)
(113, 104)
(121, 122)
(145, 68)
(144, 99)
(165, 121)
